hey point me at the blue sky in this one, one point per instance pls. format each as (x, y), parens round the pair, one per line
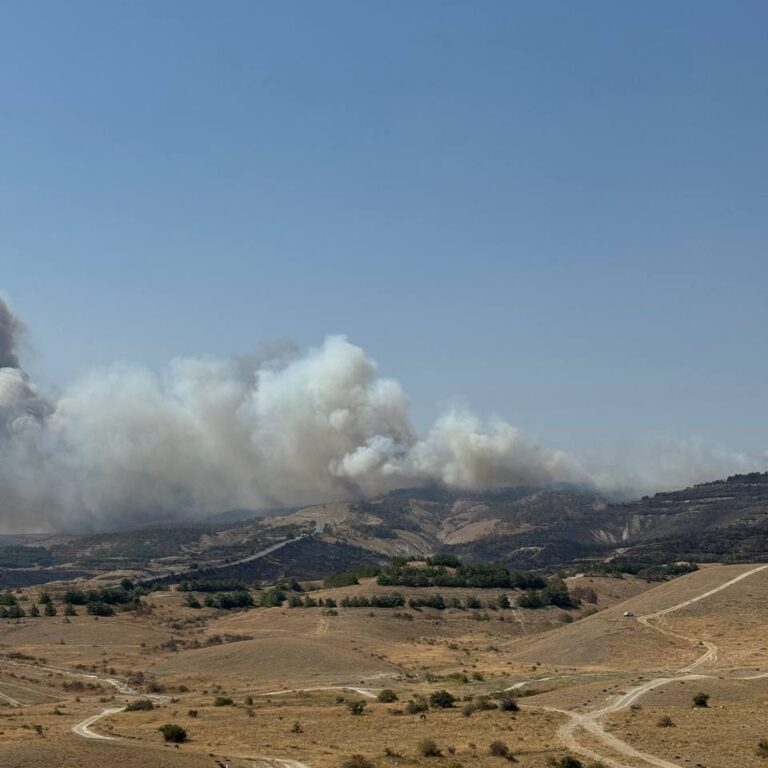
(554, 210)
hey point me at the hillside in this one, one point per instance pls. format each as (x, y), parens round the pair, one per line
(526, 528)
(553, 527)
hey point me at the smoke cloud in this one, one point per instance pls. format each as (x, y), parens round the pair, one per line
(283, 429)
(125, 445)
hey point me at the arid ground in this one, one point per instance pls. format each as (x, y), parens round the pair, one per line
(273, 686)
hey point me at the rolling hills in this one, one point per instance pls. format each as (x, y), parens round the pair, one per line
(526, 528)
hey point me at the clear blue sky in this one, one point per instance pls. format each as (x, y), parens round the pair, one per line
(555, 210)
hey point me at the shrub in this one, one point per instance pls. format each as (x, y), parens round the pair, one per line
(569, 761)
(585, 594)
(100, 609)
(223, 701)
(140, 705)
(342, 579)
(70, 610)
(762, 748)
(75, 597)
(173, 733)
(508, 703)
(499, 749)
(428, 748)
(356, 707)
(701, 700)
(445, 560)
(192, 713)
(665, 721)
(468, 709)
(356, 761)
(414, 706)
(441, 699)
(485, 704)
(387, 696)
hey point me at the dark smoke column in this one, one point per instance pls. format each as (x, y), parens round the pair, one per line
(10, 328)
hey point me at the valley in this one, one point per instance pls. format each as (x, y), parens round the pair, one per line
(278, 686)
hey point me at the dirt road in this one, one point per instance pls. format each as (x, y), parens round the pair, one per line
(591, 721)
(83, 728)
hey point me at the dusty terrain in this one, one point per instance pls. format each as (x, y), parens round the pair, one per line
(600, 682)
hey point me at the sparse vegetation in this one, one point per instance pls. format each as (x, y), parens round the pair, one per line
(500, 749)
(357, 761)
(173, 733)
(416, 705)
(429, 748)
(341, 579)
(140, 705)
(387, 696)
(508, 703)
(356, 707)
(441, 699)
(567, 761)
(701, 699)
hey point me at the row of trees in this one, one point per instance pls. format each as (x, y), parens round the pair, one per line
(11, 607)
(555, 593)
(478, 576)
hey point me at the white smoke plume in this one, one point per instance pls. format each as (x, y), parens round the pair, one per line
(125, 445)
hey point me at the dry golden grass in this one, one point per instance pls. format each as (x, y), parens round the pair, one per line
(329, 732)
(586, 662)
(723, 735)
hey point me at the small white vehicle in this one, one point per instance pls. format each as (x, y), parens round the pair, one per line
(628, 614)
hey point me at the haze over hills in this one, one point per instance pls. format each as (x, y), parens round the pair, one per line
(525, 528)
(125, 446)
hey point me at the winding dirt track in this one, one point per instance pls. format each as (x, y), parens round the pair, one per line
(590, 721)
(83, 728)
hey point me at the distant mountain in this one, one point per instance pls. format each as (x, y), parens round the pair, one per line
(722, 520)
(526, 528)
(546, 527)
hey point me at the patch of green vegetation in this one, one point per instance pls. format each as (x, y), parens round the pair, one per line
(19, 556)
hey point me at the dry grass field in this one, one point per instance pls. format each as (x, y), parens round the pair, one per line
(594, 679)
